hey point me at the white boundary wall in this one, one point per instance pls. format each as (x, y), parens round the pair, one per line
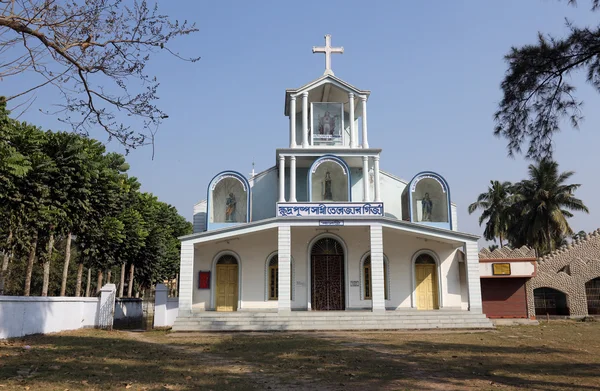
(21, 316)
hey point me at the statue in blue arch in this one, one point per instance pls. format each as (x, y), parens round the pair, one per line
(427, 207)
(328, 193)
(230, 205)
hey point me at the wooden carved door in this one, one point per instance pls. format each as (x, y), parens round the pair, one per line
(327, 279)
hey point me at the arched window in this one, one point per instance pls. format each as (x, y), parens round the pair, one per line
(549, 301)
(367, 285)
(273, 278)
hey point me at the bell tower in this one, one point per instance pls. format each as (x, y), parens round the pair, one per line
(329, 155)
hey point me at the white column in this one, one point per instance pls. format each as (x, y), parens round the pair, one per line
(365, 141)
(281, 178)
(473, 281)
(186, 278)
(292, 121)
(353, 140)
(304, 119)
(365, 178)
(161, 295)
(376, 179)
(284, 251)
(377, 275)
(292, 178)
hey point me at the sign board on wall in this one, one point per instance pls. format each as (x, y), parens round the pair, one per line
(204, 280)
(501, 269)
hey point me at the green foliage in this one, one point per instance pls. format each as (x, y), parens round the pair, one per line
(538, 93)
(56, 183)
(532, 212)
(494, 204)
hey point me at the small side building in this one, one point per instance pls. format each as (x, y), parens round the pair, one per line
(504, 274)
(564, 283)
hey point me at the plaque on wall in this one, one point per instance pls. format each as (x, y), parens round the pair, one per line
(354, 283)
(501, 269)
(204, 280)
(329, 223)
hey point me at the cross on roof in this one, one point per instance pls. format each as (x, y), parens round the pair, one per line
(327, 49)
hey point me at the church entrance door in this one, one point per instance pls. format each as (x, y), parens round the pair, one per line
(426, 287)
(227, 287)
(327, 275)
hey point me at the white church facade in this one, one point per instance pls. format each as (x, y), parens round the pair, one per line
(326, 230)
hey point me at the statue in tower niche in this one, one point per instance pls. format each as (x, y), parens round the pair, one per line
(230, 205)
(328, 195)
(427, 207)
(326, 124)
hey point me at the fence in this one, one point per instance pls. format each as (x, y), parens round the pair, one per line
(20, 316)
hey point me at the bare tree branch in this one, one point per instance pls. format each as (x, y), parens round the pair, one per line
(94, 53)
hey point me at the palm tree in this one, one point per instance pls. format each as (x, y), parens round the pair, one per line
(542, 206)
(494, 203)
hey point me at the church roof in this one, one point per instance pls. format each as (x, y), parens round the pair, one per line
(274, 222)
(321, 81)
(508, 253)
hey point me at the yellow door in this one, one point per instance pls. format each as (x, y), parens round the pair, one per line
(426, 281)
(227, 287)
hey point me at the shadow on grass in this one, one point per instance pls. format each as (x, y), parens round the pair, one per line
(114, 360)
(412, 364)
(107, 360)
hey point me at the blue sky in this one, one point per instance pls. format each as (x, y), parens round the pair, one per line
(433, 68)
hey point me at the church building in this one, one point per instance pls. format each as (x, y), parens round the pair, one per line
(325, 238)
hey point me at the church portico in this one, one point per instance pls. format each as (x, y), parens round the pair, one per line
(287, 265)
(324, 239)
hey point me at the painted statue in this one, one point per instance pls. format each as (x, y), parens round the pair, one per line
(328, 193)
(427, 207)
(326, 124)
(230, 205)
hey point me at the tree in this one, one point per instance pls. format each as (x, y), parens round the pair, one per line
(542, 206)
(537, 92)
(494, 203)
(94, 53)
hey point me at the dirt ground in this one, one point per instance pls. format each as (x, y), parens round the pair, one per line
(560, 355)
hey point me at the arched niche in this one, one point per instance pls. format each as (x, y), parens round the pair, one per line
(429, 200)
(329, 180)
(228, 200)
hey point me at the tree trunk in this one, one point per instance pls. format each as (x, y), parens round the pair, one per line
(99, 281)
(89, 282)
(122, 283)
(30, 264)
(79, 278)
(47, 263)
(108, 276)
(130, 287)
(176, 286)
(63, 285)
(500, 240)
(5, 260)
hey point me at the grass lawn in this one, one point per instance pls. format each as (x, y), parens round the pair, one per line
(561, 355)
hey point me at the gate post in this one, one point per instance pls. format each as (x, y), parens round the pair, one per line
(160, 305)
(106, 314)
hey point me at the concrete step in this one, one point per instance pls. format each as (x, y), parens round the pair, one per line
(337, 321)
(290, 327)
